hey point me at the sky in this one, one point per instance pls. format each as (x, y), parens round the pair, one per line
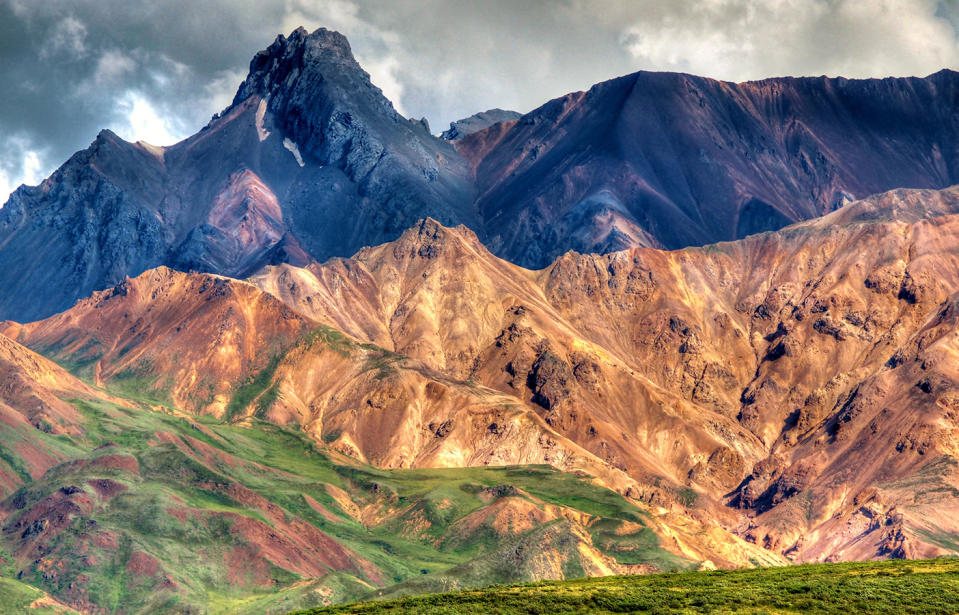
(156, 71)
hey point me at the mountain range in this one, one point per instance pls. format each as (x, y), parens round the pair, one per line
(666, 323)
(311, 161)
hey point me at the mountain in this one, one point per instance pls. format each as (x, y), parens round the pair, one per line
(775, 388)
(170, 483)
(182, 338)
(314, 353)
(672, 160)
(210, 346)
(311, 161)
(799, 376)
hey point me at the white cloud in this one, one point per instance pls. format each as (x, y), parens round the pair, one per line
(21, 166)
(140, 121)
(22, 8)
(112, 66)
(335, 14)
(68, 36)
(752, 39)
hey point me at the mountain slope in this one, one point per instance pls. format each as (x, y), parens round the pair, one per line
(169, 336)
(672, 160)
(738, 383)
(793, 390)
(727, 369)
(127, 507)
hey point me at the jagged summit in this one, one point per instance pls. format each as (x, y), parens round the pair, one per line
(318, 96)
(429, 239)
(310, 161)
(311, 64)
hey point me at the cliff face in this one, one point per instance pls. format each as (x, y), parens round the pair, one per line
(312, 161)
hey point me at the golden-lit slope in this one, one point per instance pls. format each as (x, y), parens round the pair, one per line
(702, 367)
(208, 344)
(191, 337)
(438, 296)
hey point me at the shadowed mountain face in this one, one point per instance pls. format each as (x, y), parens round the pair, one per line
(311, 161)
(672, 160)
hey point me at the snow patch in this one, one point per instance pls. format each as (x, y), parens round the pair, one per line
(290, 145)
(260, 113)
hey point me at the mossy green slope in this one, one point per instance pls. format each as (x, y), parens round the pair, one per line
(889, 587)
(19, 598)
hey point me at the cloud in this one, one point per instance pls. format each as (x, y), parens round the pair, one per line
(22, 165)
(157, 71)
(751, 39)
(140, 121)
(112, 66)
(68, 37)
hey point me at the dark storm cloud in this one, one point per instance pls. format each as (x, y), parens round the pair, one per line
(156, 71)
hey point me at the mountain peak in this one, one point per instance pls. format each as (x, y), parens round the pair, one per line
(429, 239)
(316, 57)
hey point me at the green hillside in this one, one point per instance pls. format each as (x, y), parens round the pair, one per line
(152, 511)
(893, 587)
